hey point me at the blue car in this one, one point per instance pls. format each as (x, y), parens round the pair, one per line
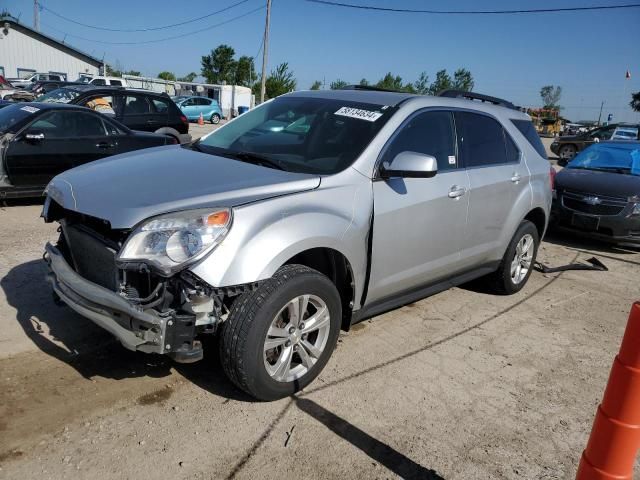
(192, 107)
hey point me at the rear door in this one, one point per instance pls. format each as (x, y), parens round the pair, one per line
(497, 174)
(419, 223)
(56, 141)
(139, 114)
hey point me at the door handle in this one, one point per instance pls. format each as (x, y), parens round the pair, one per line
(515, 178)
(455, 191)
(104, 145)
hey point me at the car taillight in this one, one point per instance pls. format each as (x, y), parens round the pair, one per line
(184, 119)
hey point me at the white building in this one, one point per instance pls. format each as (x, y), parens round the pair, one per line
(24, 51)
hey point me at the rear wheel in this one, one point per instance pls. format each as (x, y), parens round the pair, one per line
(517, 263)
(567, 152)
(278, 338)
(215, 118)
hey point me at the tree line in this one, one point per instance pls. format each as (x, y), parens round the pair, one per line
(462, 79)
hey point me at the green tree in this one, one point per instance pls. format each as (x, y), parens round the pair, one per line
(190, 77)
(219, 66)
(134, 73)
(463, 80)
(421, 85)
(316, 85)
(167, 76)
(244, 74)
(112, 72)
(442, 82)
(635, 101)
(338, 84)
(390, 82)
(551, 96)
(280, 81)
(364, 82)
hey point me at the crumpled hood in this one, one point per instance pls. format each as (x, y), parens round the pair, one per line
(126, 189)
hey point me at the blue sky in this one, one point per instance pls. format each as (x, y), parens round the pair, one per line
(510, 56)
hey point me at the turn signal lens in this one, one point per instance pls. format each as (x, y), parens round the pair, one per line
(218, 218)
(552, 178)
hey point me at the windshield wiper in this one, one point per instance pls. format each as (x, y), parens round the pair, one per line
(255, 159)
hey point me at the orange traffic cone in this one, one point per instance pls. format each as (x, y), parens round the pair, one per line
(200, 120)
(615, 437)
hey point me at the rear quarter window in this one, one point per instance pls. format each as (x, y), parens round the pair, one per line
(526, 128)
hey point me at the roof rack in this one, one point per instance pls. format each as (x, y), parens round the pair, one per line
(477, 96)
(370, 88)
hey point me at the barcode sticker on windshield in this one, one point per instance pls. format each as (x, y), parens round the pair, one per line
(30, 109)
(358, 113)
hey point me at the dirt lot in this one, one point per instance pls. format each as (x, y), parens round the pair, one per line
(463, 385)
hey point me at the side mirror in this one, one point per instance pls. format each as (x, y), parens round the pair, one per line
(34, 136)
(410, 165)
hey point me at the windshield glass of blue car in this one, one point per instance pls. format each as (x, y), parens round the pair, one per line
(298, 134)
(624, 158)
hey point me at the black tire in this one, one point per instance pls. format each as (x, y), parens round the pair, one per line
(245, 330)
(567, 152)
(502, 282)
(215, 119)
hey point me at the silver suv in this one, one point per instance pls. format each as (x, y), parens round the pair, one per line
(310, 213)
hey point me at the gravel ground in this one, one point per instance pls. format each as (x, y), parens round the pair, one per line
(461, 385)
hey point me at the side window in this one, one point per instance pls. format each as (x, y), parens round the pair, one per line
(116, 83)
(203, 101)
(112, 129)
(481, 138)
(513, 154)
(88, 125)
(161, 106)
(527, 129)
(136, 105)
(68, 125)
(98, 81)
(189, 103)
(430, 133)
(103, 104)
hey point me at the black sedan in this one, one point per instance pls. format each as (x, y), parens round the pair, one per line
(598, 193)
(39, 141)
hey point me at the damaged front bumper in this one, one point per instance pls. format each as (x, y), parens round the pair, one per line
(135, 328)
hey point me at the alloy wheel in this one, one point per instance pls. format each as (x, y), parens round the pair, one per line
(521, 263)
(296, 338)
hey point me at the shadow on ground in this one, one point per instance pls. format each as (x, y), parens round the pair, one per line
(70, 338)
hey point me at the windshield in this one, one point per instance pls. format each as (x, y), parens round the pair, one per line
(59, 95)
(307, 135)
(12, 114)
(624, 159)
(83, 79)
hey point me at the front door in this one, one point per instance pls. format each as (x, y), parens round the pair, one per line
(56, 141)
(419, 223)
(138, 114)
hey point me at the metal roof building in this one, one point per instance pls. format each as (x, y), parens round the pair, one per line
(24, 51)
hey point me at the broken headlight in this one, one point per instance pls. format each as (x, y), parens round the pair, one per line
(175, 239)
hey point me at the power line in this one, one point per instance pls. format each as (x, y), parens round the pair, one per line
(474, 12)
(211, 27)
(150, 29)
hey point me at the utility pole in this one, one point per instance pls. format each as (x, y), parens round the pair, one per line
(600, 115)
(36, 16)
(265, 50)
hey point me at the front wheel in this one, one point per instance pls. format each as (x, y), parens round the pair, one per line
(517, 263)
(215, 118)
(278, 338)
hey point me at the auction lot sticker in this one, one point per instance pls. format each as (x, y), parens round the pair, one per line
(30, 109)
(358, 113)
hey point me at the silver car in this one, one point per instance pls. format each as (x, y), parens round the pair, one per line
(310, 213)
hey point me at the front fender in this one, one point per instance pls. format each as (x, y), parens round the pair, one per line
(266, 234)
